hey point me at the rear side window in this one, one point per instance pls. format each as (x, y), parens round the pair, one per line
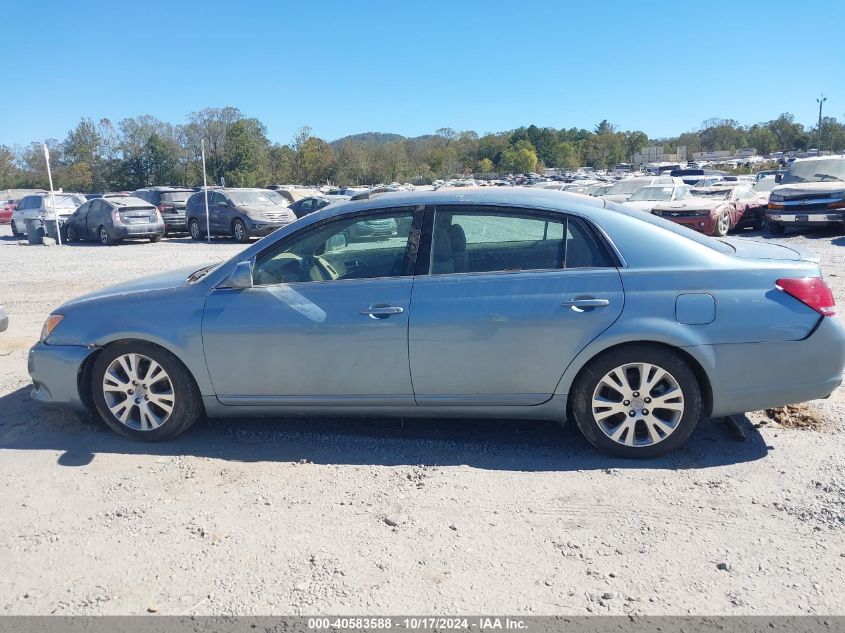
(500, 241)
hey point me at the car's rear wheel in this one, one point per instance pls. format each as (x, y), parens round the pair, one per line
(194, 229)
(239, 232)
(637, 401)
(723, 224)
(70, 234)
(144, 392)
(773, 228)
(105, 236)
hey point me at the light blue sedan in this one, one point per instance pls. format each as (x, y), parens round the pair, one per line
(502, 303)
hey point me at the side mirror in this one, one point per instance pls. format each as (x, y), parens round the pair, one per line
(241, 277)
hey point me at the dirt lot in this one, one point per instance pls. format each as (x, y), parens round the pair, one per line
(285, 516)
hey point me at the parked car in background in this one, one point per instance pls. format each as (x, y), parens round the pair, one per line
(716, 210)
(571, 290)
(810, 193)
(598, 190)
(644, 199)
(314, 203)
(109, 220)
(6, 211)
(39, 206)
(238, 213)
(294, 194)
(764, 185)
(622, 190)
(171, 202)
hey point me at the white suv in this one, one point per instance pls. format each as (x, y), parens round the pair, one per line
(39, 206)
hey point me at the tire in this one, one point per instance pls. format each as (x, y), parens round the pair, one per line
(156, 238)
(194, 229)
(723, 224)
(653, 432)
(118, 393)
(104, 236)
(773, 228)
(239, 232)
(15, 232)
(70, 234)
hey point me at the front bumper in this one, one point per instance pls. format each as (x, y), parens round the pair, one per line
(812, 218)
(55, 371)
(255, 228)
(702, 223)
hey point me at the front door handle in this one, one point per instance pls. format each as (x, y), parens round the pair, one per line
(382, 311)
(580, 304)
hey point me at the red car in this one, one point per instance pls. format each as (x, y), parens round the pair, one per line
(6, 211)
(718, 209)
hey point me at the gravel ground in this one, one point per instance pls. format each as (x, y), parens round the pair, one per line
(390, 517)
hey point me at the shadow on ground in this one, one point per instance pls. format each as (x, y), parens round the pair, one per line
(489, 444)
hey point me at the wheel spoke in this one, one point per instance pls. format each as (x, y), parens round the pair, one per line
(121, 409)
(663, 401)
(138, 374)
(651, 375)
(627, 425)
(152, 371)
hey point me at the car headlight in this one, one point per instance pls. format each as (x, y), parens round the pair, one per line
(775, 197)
(49, 325)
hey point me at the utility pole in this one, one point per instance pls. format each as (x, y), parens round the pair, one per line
(820, 101)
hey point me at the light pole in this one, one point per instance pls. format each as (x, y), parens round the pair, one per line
(820, 101)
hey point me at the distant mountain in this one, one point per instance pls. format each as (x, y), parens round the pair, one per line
(369, 138)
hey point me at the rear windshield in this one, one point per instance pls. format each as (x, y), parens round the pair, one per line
(677, 229)
(176, 196)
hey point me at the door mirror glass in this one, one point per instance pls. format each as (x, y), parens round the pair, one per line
(241, 277)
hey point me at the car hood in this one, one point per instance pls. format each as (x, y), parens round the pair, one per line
(161, 281)
(642, 205)
(755, 249)
(804, 188)
(617, 197)
(690, 203)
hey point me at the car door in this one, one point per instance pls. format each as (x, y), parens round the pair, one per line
(78, 220)
(326, 321)
(95, 218)
(510, 297)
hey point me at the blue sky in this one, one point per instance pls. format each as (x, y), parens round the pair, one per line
(410, 68)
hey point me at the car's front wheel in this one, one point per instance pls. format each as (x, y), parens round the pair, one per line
(239, 232)
(15, 231)
(637, 401)
(773, 228)
(144, 392)
(723, 223)
(70, 234)
(194, 229)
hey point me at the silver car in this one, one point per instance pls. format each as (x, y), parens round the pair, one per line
(508, 303)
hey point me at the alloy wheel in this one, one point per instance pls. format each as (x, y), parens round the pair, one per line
(724, 223)
(195, 230)
(104, 235)
(239, 232)
(138, 392)
(638, 404)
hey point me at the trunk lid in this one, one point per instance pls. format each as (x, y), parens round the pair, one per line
(755, 249)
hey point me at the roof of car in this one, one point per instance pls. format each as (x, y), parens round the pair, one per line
(164, 188)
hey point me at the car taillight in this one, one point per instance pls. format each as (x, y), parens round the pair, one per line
(115, 216)
(812, 292)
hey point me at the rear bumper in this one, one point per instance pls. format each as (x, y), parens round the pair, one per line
(807, 218)
(175, 222)
(55, 372)
(123, 231)
(753, 376)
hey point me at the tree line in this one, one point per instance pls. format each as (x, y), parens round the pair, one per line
(143, 151)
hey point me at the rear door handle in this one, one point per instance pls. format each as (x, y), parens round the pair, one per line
(382, 312)
(586, 303)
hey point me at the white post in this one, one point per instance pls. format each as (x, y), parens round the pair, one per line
(52, 195)
(205, 192)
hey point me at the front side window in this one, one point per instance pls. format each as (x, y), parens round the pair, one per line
(367, 247)
(479, 242)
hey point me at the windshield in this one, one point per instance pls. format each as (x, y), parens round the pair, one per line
(653, 193)
(248, 198)
(176, 196)
(765, 184)
(626, 187)
(824, 170)
(64, 202)
(717, 194)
